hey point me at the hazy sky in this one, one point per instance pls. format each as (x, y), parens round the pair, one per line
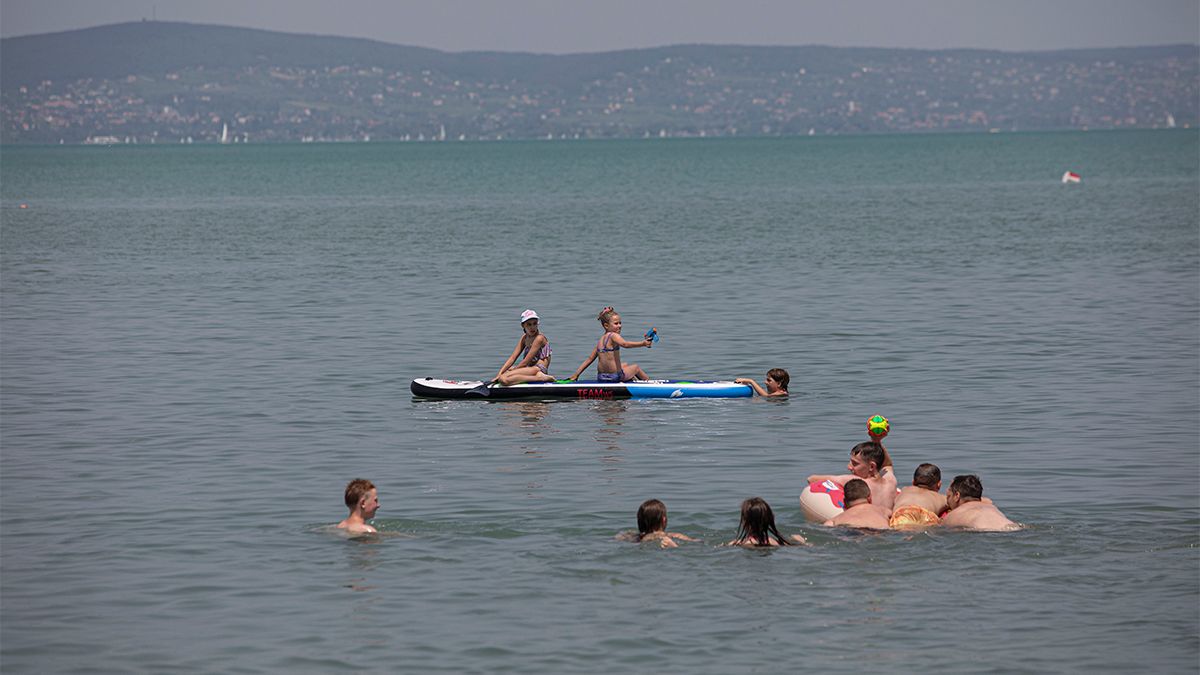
(560, 26)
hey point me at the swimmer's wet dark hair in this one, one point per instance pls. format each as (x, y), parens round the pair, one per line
(356, 490)
(856, 489)
(870, 451)
(968, 486)
(781, 376)
(651, 517)
(758, 523)
(927, 476)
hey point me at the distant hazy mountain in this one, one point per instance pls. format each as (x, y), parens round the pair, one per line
(171, 82)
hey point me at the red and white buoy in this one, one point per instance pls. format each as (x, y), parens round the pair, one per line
(1071, 177)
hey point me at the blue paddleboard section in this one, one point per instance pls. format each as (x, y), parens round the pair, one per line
(683, 389)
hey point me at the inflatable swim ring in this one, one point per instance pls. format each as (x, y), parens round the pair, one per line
(821, 501)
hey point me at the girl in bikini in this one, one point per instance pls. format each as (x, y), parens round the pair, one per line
(609, 368)
(757, 527)
(530, 361)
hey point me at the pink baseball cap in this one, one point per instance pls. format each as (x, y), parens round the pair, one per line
(529, 314)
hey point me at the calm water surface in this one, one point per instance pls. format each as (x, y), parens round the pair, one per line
(200, 346)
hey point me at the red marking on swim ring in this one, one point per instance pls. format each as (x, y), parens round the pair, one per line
(836, 494)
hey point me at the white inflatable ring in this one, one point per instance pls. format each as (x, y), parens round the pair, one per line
(821, 501)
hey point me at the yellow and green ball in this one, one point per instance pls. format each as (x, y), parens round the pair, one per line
(877, 426)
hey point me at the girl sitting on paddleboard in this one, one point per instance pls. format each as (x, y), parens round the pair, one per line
(531, 356)
(609, 368)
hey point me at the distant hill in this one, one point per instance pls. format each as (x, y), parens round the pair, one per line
(171, 82)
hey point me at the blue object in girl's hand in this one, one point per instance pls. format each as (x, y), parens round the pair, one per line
(652, 336)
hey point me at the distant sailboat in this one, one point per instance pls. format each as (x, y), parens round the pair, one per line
(225, 134)
(1071, 177)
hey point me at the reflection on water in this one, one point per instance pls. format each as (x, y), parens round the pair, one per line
(530, 415)
(363, 555)
(608, 434)
(528, 418)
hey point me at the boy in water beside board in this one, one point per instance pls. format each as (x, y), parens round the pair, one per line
(777, 383)
(363, 501)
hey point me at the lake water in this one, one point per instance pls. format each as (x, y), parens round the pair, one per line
(201, 345)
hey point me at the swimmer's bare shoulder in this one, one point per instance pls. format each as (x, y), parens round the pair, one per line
(356, 528)
(861, 516)
(979, 516)
(919, 496)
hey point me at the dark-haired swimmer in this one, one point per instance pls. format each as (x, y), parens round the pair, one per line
(652, 526)
(363, 501)
(866, 462)
(964, 498)
(919, 504)
(860, 512)
(757, 526)
(777, 383)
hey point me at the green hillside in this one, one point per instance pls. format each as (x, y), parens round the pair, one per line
(167, 82)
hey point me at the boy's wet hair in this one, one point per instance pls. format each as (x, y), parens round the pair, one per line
(968, 486)
(651, 517)
(356, 490)
(758, 523)
(781, 376)
(605, 315)
(856, 489)
(870, 451)
(927, 476)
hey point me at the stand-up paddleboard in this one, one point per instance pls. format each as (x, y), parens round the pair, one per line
(430, 387)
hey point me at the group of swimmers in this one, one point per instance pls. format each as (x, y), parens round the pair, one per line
(756, 528)
(530, 359)
(871, 499)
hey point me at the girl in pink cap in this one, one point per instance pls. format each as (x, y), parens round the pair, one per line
(530, 361)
